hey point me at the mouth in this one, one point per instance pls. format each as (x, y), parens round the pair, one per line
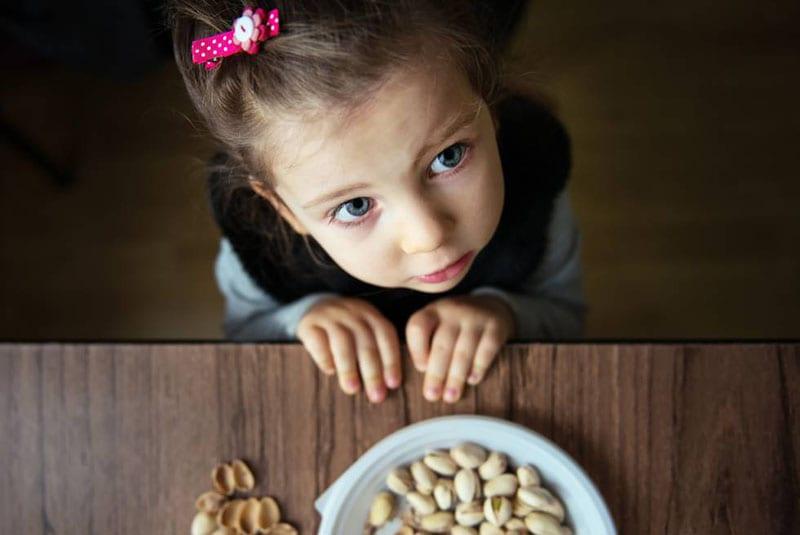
(448, 272)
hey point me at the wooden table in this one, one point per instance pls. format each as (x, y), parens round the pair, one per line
(683, 439)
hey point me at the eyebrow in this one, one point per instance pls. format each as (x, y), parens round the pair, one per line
(453, 125)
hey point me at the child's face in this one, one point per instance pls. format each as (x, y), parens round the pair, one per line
(412, 211)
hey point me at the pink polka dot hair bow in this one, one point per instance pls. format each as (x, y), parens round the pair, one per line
(249, 30)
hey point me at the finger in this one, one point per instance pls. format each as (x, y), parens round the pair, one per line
(418, 335)
(488, 348)
(369, 362)
(461, 363)
(389, 346)
(315, 340)
(444, 340)
(343, 349)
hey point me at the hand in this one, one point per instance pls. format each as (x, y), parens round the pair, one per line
(346, 335)
(455, 338)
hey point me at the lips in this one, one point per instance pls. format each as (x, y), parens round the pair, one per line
(448, 272)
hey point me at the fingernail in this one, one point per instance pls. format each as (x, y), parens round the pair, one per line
(352, 384)
(451, 394)
(432, 392)
(376, 393)
(392, 381)
(473, 379)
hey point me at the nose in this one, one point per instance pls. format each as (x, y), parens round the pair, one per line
(425, 228)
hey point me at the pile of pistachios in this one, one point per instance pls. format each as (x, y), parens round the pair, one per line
(220, 512)
(468, 491)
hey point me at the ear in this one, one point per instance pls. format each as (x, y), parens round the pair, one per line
(278, 204)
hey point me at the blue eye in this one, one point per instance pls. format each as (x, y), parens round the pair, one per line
(450, 157)
(355, 207)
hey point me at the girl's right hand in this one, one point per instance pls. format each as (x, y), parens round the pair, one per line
(346, 335)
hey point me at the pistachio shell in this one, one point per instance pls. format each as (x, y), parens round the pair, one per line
(224, 531)
(242, 475)
(528, 476)
(382, 509)
(251, 511)
(441, 463)
(540, 499)
(222, 479)
(515, 525)
(463, 530)
(230, 514)
(543, 524)
(203, 523)
(423, 477)
(467, 485)
(444, 493)
(209, 502)
(400, 481)
(469, 514)
(520, 508)
(494, 465)
(502, 485)
(282, 529)
(468, 455)
(489, 529)
(269, 514)
(405, 530)
(497, 510)
(422, 504)
(440, 522)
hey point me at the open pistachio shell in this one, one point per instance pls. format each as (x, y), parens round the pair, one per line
(424, 477)
(543, 524)
(242, 476)
(541, 499)
(468, 455)
(490, 529)
(230, 514)
(440, 522)
(382, 509)
(223, 480)
(269, 515)
(493, 466)
(400, 481)
(441, 463)
(203, 524)
(209, 502)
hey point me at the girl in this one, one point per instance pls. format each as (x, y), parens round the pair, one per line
(379, 179)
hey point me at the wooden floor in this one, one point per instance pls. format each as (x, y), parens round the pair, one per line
(685, 124)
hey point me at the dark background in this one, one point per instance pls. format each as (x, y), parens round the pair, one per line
(684, 121)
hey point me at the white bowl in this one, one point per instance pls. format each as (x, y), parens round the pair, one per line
(344, 506)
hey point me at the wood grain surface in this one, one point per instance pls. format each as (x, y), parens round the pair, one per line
(680, 439)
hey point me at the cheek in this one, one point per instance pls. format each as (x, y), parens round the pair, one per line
(363, 258)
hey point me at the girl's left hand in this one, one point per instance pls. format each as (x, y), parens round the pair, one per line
(455, 339)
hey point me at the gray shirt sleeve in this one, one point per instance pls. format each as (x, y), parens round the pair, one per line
(551, 302)
(250, 313)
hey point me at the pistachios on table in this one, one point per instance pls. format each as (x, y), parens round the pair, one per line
(468, 491)
(220, 512)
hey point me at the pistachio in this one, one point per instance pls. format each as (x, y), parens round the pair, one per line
(515, 526)
(540, 499)
(270, 514)
(468, 455)
(423, 477)
(441, 463)
(445, 494)
(520, 508)
(440, 522)
(469, 514)
(405, 530)
(382, 509)
(224, 531)
(203, 524)
(493, 466)
(223, 480)
(497, 510)
(528, 476)
(400, 481)
(463, 530)
(502, 485)
(209, 502)
(490, 529)
(422, 504)
(242, 476)
(282, 529)
(543, 524)
(467, 485)
(229, 515)
(248, 518)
